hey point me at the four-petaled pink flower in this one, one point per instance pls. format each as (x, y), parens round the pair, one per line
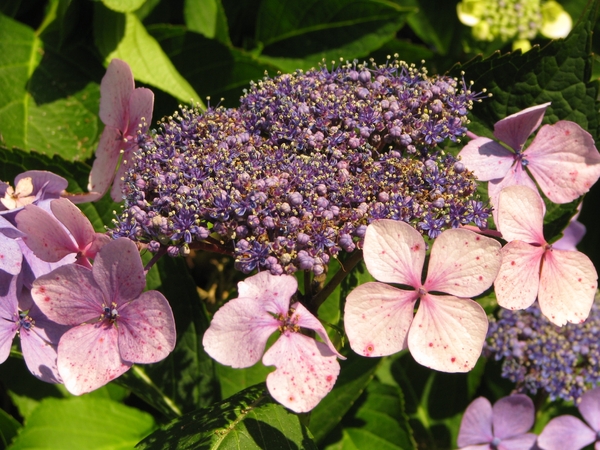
(50, 241)
(125, 111)
(114, 324)
(563, 281)
(570, 433)
(562, 157)
(306, 369)
(503, 427)
(447, 332)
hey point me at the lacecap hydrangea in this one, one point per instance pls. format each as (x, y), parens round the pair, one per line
(293, 176)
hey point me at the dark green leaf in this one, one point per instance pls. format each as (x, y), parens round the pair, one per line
(557, 218)
(9, 428)
(234, 380)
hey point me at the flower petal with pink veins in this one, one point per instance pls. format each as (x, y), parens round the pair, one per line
(589, 407)
(106, 161)
(304, 319)
(377, 318)
(273, 291)
(394, 252)
(516, 128)
(88, 357)
(141, 105)
(146, 329)
(487, 159)
(521, 215)
(11, 258)
(462, 263)
(513, 415)
(564, 161)
(518, 280)
(568, 284)
(116, 87)
(8, 313)
(306, 371)
(74, 220)
(118, 187)
(566, 433)
(447, 333)
(476, 424)
(239, 331)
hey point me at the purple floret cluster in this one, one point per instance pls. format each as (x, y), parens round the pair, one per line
(293, 176)
(538, 355)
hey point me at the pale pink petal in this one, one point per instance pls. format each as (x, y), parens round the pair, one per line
(273, 291)
(394, 252)
(572, 235)
(377, 318)
(476, 447)
(11, 258)
(589, 407)
(521, 215)
(88, 357)
(239, 331)
(99, 241)
(447, 333)
(487, 159)
(141, 104)
(462, 263)
(516, 176)
(512, 416)
(116, 87)
(119, 272)
(568, 284)
(68, 295)
(74, 220)
(306, 371)
(564, 161)
(516, 128)
(118, 187)
(49, 242)
(107, 159)
(566, 433)
(304, 319)
(476, 424)
(518, 280)
(146, 329)
(523, 442)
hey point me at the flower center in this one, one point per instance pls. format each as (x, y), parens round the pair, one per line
(26, 322)
(495, 443)
(288, 322)
(110, 313)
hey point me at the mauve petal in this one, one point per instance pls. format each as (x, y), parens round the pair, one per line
(118, 187)
(146, 329)
(589, 407)
(49, 242)
(568, 283)
(99, 241)
(68, 295)
(304, 319)
(141, 104)
(8, 313)
(377, 318)
(116, 87)
(50, 184)
(522, 442)
(512, 416)
(566, 433)
(476, 447)
(462, 263)
(564, 161)
(88, 357)
(516, 176)
(238, 332)
(521, 215)
(105, 164)
(516, 128)
(273, 291)
(447, 333)
(487, 159)
(476, 424)
(572, 235)
(74, 220)
(518, 280)
(11, 258)
(394, 252)
(9, 230)
(34, 267)
(119, 271)
(306, 371)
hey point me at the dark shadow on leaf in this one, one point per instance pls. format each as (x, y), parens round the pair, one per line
(267, 436)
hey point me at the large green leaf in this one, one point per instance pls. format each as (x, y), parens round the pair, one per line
(9, 428)
(207, 17)
(249, 420)
(298, 34)
(83, 422)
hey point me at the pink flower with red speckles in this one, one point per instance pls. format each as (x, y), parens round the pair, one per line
(448, 331)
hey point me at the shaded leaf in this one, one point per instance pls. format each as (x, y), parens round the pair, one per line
(207, 17)
(234, 380)
(123, 6)
(9, 428)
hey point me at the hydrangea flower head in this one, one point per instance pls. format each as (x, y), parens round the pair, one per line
(305, 369)
(448, 331)
(562, 158)
(569, 432)
(504, 426)
(564, 282)
(114, 323)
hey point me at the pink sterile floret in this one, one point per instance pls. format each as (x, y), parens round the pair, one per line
(306, 369)
(562, 158)
(563, 281)
(51, 238)
(448, 331)
(115, 324)
(124, 110)
(33, 186)
(505, 426)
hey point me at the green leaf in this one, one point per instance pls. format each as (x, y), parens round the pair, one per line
(299, 34)
(249, 420)
(123, 6)
(234, 380)
(207, 17)
(48, 96)
(9, 428)
(123, 36)
(557, 218)
(83, 422)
